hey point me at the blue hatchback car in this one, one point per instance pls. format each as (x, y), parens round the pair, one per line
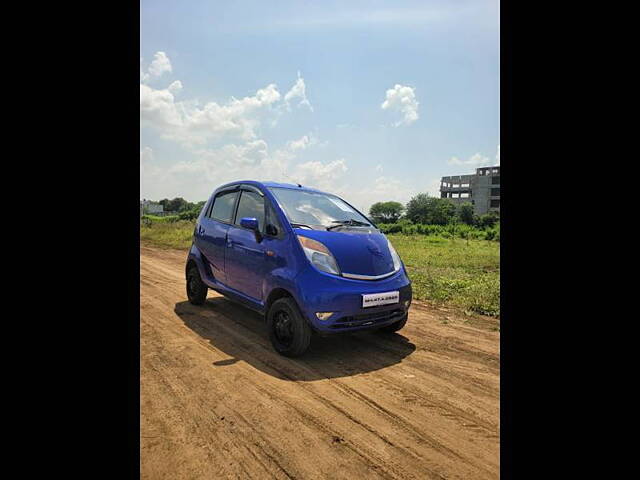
(307, 260)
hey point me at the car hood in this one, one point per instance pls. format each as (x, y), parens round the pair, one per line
(357, 252)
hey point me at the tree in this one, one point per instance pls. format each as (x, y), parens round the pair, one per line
(465, 213)
(418, 208)
(178, 204)
(443, 211)
(386, 212)
(430, 210)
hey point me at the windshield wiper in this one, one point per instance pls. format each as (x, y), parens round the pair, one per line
(351, 221)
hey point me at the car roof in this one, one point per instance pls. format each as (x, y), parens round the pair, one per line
(271, 185)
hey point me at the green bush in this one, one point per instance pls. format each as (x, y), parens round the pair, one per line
(390, 227)
(451, 230)
(157, 219)
(488, 220)
(189, 214)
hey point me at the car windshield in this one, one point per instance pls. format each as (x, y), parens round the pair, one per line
(316, 209)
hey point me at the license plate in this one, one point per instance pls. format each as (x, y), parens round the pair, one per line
(375, 299)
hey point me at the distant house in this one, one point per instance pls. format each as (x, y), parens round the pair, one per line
(150, 207)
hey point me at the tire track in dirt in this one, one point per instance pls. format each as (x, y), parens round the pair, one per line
(245, 341)
(454, 412)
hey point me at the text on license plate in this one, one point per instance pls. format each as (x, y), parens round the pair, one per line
(385, 298)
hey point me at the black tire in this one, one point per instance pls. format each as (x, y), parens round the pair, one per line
(196, 289)
(395, 326)
(288, 330)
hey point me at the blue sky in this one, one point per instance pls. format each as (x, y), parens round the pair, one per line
(373, 100)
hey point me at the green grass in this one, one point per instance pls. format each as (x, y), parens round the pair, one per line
(453, 272)
(176, 234)
(459, 273)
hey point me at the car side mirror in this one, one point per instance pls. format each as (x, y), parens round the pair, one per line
(249, 222)
(252, 224)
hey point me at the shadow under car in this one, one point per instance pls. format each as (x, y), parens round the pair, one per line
(242, 334)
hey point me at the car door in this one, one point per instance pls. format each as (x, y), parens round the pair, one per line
(211, 233)
(245, 256)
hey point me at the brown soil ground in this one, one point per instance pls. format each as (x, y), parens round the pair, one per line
(218, 402)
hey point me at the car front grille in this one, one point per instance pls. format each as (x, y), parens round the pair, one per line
(367, 319)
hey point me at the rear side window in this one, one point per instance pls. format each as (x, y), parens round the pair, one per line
(223, 206)
(251, 205)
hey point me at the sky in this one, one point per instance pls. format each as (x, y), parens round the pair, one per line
(372, 101)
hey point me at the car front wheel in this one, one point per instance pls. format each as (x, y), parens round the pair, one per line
(288, 330)
(196, 289)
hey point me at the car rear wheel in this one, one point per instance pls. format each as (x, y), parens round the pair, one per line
(196, 289)
(394, 327)
(288, 330)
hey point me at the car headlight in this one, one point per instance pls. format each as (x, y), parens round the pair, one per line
(319, 255)
(397, 263)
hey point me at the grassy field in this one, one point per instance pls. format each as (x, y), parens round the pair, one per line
(454, 272)
(168, 235)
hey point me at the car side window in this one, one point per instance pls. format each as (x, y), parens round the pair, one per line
(251, 205)
(223, 206)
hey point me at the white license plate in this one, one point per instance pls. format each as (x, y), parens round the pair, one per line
(375, 299)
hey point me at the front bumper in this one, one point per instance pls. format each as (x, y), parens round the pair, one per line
(321, 292)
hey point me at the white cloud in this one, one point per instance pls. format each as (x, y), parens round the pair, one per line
(195, 179)
(474, 160)
(190, 124)
(175, 87)
(251, 153)
(402, 99)
(224, 141)
(298, 90)
(477, 160)
(379, 168)
(160, 64)
(302, 143)
(318, 174)
(157, 109)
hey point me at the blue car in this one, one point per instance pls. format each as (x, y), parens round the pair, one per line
(305, 259)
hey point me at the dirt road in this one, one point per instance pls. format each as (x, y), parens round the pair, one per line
(218, 402)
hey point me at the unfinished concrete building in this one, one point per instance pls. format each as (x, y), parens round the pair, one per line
(481, 189)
